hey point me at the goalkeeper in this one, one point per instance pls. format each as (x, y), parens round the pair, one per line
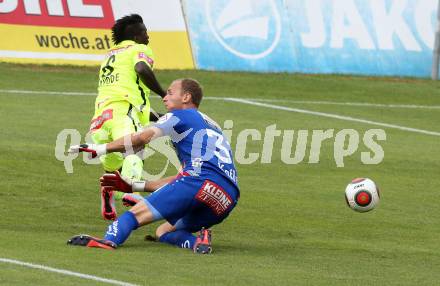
(202, 195)
(122, 105)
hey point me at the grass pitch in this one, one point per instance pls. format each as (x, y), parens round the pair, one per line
(291, 226)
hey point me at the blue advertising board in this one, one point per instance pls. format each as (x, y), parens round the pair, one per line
(373, 37)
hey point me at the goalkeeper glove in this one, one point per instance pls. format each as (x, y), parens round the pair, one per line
(94, 149)
(123, 184)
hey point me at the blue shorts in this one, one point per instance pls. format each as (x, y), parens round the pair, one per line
(191, 202)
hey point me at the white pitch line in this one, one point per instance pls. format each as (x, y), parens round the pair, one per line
(335, 116)
(46, 92)
(248, 101)
(366, 104)
(411, 106)
(45, 55)
(66, 272)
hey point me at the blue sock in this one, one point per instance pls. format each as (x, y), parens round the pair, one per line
(179, 238)
(121, 228)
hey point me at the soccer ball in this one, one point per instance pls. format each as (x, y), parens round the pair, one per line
(362, 195)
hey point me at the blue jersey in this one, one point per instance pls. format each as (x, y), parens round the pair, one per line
(200, 144)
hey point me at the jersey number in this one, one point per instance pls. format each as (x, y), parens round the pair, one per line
(108, 69)
(221, 146)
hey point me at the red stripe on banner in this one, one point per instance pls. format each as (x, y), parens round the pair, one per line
(63, 13)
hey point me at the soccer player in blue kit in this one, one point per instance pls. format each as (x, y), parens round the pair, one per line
(203, 193)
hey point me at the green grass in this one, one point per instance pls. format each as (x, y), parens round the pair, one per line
(291, 226)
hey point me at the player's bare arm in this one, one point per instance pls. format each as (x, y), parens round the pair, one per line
(135, 141)
(148, 78)
(155, 185)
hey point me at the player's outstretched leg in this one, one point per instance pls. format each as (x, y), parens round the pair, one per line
(108, 209)
(90, 241)
(117, 233)
(132, 168)
(120, 229)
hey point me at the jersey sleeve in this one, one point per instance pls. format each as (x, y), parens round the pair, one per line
(173, 125)
(167, 123)
(143, 53)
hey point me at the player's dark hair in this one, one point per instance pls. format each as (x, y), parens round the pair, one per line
(194, 88)
(126, 28)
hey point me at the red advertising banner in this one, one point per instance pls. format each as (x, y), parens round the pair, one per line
(58, 13)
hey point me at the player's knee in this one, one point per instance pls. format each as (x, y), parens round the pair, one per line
(132, 167)
(112, 162)
(142, 213)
